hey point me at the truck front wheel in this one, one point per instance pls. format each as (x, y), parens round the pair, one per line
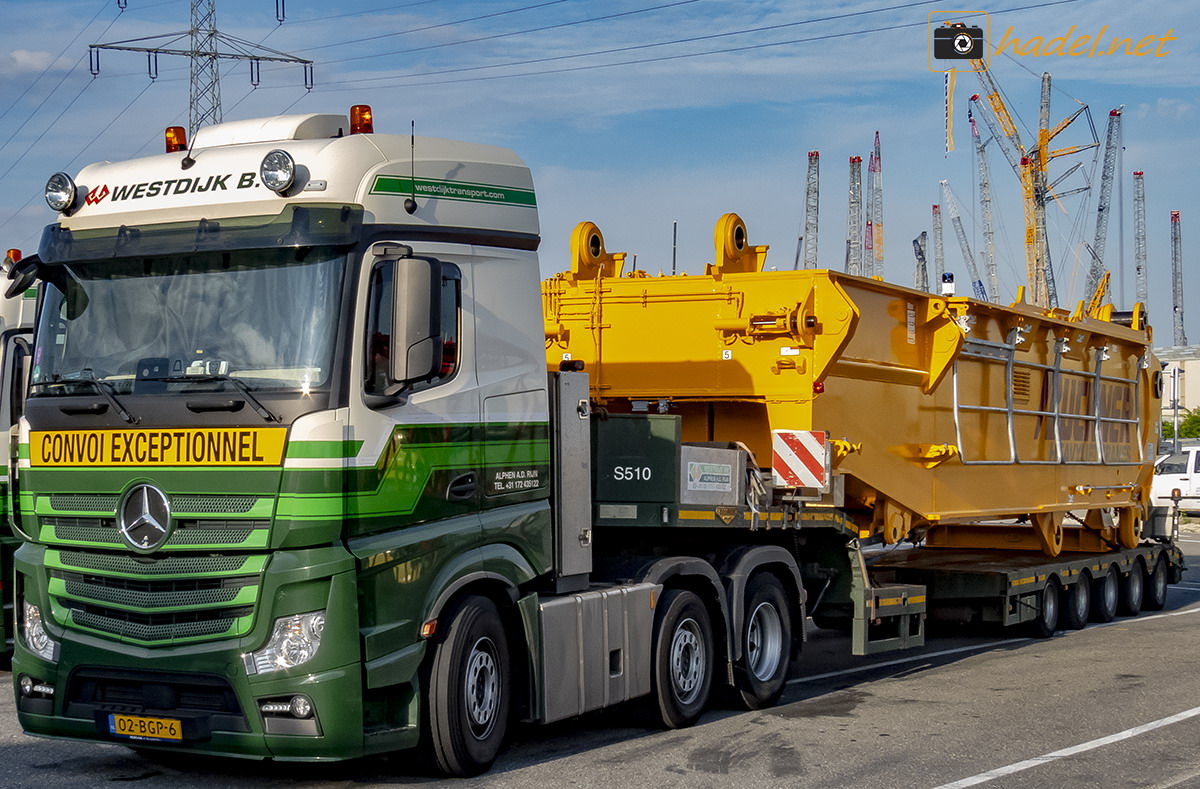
(683, 658)
(766, 641)
(467, 689)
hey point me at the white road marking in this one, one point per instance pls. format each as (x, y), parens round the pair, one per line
(1017, 767)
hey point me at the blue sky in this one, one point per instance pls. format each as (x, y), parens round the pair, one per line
(709, 106)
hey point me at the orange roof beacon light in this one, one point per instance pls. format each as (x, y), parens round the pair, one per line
(176, 139)
(361, 119)
(14, 255)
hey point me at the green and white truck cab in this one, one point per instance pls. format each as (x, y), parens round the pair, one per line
(250, 498)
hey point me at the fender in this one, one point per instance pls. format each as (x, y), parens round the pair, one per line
(663, 570)
(736, 569)
(498, 563)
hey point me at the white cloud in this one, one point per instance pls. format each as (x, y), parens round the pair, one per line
(17, 62)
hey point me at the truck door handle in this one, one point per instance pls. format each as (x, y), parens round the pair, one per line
(464, 487)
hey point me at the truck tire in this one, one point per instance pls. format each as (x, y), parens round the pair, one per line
(683, 658)
(467, 689)
(1046, 621)
(766, 639)
(1077, 603)
(1156, 589)
(1105, 595)
(1133, 589)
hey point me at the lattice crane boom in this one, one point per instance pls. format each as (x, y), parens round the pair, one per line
(921, 277)
(985, 206)
(968, 258)
(1177, 279)
(812, 204)
(1112, 143)
(877, 206)
(1139, 236)
(854, 230)
(939, 249)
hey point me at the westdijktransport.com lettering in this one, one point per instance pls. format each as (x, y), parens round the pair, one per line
(201, 447)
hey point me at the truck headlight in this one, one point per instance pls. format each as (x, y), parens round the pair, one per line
(60, 192)
(37, 640)
(277, 171)
(294, 641)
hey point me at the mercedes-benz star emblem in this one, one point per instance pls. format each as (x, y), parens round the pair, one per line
(144, 518)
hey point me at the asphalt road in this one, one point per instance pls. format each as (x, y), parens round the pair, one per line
(1112, 705)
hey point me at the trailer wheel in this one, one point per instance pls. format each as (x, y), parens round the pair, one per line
(1156, 590)
(467, 690)
(1077, 603)
(766, 639)
(1104, 596)
(683, 658)
(1133, 589)
(1046, 621)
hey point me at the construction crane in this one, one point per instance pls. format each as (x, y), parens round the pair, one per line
(1112, 143)
(968, 258)
(854, 236)
(985, 207)
(921, 280)
(812, 186)
(875, 211)
(1177, 279)
(1139, 236)
(939, 250)
(1030, 165)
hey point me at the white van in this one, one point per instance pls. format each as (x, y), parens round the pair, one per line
(1177, 470)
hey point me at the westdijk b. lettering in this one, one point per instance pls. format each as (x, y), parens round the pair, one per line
(203, 447)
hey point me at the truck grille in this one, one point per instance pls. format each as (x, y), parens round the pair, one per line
(89, 502)
(150, 600)
(149, 628)
(208, 532)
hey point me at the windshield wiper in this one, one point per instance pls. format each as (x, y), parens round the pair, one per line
(254, 402)
(103, 387)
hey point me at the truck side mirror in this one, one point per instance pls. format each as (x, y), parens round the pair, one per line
(416, 320)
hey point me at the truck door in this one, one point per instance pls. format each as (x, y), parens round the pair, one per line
(14, 382)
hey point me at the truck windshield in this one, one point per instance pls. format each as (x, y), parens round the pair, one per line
(265, 317)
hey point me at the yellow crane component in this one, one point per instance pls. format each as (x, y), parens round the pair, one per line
(946, 415)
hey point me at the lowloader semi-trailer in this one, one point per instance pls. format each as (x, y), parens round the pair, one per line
(306, 474)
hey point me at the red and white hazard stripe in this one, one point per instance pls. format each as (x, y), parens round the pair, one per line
(800, 458)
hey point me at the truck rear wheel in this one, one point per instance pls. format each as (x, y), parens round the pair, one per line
(766, 640)
(466, 695)
(683, 658)
(1077, 603)
(1156, 590)
(1104, 596)
(1046, 621)
(1133, 589)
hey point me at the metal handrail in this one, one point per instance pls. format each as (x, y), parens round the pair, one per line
(1006, 352)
